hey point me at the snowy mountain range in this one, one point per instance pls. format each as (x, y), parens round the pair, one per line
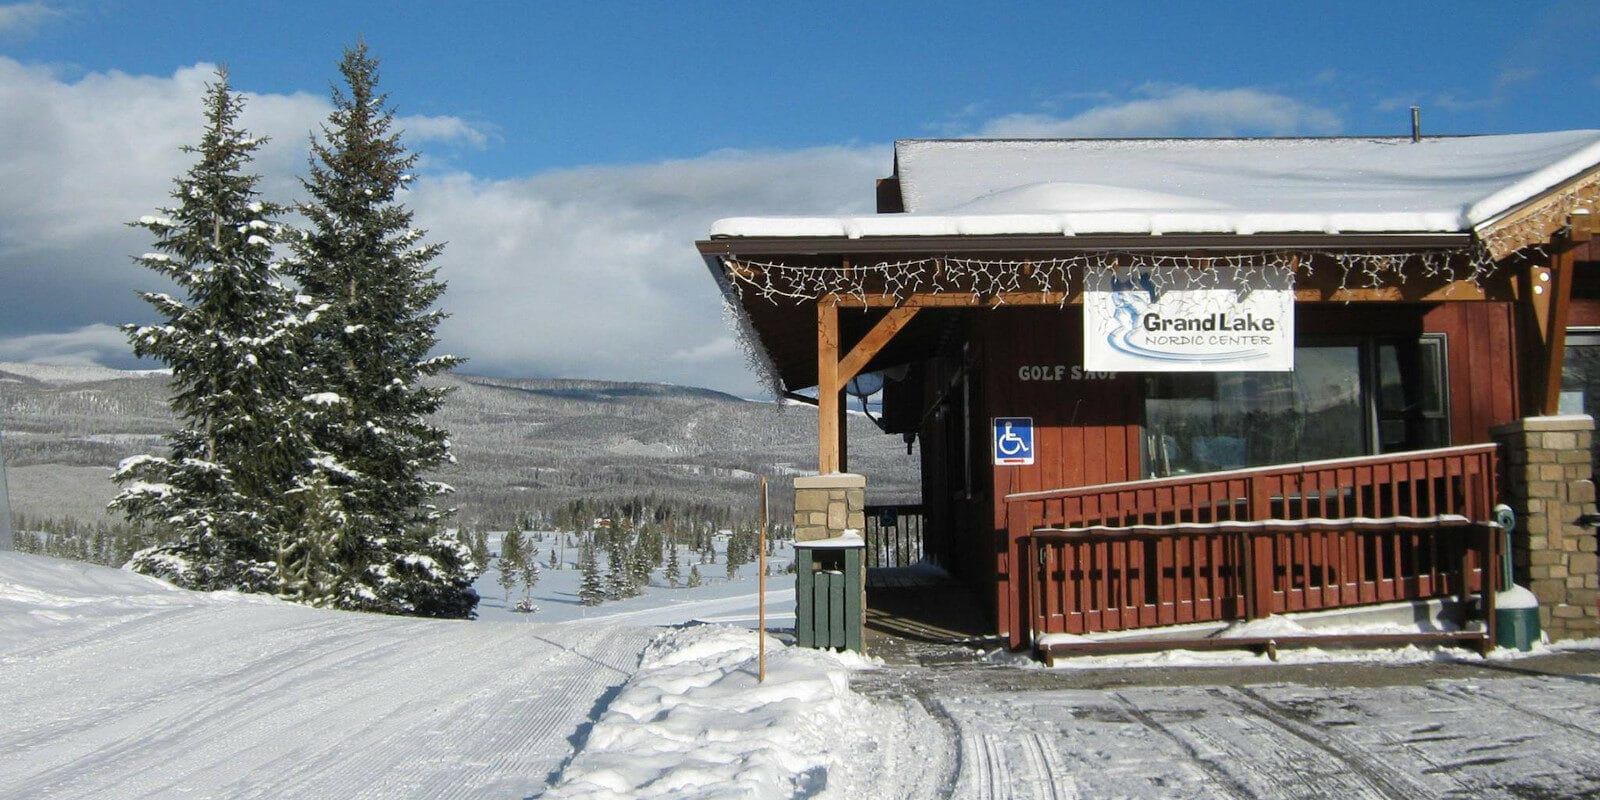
(521, 444)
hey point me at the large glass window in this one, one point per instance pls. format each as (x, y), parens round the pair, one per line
(1580, 378)
(1342, 399)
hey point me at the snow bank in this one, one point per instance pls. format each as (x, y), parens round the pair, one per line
(693, 722)
(38, 592)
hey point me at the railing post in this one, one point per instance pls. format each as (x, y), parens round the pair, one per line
(1029, 591)
(1261, 579)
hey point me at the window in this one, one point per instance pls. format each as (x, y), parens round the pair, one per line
(1343, 399)
(1580, 378)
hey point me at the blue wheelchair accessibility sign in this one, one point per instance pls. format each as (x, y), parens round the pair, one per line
(1013, 440)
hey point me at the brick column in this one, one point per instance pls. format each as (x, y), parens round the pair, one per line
(825, 505)
(1550, 484)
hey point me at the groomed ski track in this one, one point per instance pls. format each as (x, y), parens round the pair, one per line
(173, 694)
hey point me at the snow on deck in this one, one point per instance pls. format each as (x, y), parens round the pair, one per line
(1239, 186)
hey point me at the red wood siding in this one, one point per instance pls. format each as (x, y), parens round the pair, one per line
(1483, 366)
(1086, 430)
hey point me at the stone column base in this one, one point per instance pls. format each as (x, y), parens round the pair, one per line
(1550, 485)
(826, 506)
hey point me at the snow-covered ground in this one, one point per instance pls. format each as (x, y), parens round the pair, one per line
(117, 685)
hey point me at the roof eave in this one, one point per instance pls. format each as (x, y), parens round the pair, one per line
(735, 246)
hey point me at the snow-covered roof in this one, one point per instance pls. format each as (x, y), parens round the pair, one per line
(1205, 186)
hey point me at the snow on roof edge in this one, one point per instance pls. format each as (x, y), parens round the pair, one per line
(1086, 223)
(1504, 200)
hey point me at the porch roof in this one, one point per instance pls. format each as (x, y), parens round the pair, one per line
(1240, 187)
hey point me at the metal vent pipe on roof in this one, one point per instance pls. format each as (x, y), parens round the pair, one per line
(1416, 123)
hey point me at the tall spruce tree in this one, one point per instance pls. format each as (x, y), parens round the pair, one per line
(591, 590)
(512, 558)
(369, 355)
(218, 493)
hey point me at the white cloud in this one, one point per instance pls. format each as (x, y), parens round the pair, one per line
(718, 349)
(416, 130)
(24, 18)
(1505, 83)
(90, 344)
(585, 272)
(1177, 111)
(592, 272)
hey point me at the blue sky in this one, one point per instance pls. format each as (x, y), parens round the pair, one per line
(573, 152)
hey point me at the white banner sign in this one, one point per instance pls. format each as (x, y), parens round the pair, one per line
(1138, 321)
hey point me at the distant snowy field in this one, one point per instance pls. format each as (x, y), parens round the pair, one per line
(717, 599)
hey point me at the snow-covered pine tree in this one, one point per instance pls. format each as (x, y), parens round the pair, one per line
(695, 580)
(619, 580)
(529, 575)
(369, 356)
(511, 561)
(674, 571)
(641, 560)
(307, 555)
(218, 493)
(590, 589)
(479, 543)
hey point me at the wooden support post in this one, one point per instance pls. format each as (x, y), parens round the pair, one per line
(829, 386)
(1560, 293)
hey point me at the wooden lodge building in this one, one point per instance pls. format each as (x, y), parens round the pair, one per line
(1158, 382)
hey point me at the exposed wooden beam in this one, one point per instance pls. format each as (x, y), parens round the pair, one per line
(1539, 285)
(874, 341)
(961, 300)
(1415, 290)
(1561, 275)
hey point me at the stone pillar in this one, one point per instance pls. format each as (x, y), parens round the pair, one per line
(1550, 484)
(826, 505)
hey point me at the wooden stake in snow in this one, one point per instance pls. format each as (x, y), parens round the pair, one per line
(761, 588)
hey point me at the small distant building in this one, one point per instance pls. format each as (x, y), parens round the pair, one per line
(1186, 380)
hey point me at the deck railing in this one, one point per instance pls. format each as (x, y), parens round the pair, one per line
(1247, 543)
(894, 535)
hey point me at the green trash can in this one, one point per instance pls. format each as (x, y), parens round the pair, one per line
(1516, 619)
(829, 592)
(1516, 610)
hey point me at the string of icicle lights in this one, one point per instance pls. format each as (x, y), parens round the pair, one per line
(983, 278)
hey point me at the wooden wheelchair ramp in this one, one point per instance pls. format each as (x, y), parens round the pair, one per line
(1248, 544)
